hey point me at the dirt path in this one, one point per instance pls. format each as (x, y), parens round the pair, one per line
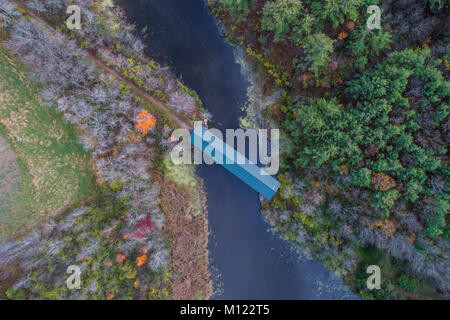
(182, 123)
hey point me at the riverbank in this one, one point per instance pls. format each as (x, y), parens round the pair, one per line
(128, 240)
(348, 217)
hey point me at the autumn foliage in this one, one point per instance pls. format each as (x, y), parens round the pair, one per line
(144, 228)
(382, 181)
(145, 121)
(343, 35)
(141, 260)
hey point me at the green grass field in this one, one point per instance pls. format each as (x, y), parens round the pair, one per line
(43, 170)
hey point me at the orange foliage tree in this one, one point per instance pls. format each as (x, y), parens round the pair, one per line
(141, 260)
(145, 121)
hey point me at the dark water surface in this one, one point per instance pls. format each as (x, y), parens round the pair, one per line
(250, 261)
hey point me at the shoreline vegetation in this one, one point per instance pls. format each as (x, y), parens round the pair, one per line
(364, 133)
(130, 238)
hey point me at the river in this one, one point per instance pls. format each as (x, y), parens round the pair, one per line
(248, 261)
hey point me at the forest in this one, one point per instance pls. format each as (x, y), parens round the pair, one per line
(365, 131)
(125, 236)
